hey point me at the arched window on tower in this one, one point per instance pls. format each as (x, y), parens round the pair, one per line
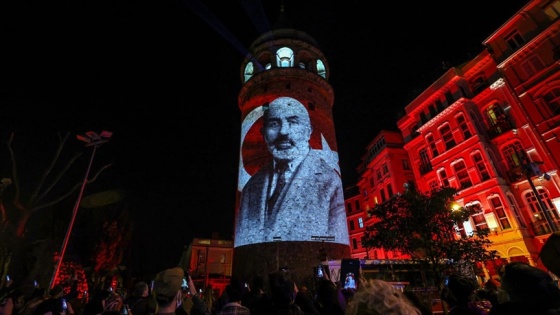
(248, 71)
(285, 57)
(321, 68)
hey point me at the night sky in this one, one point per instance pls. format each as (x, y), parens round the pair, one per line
(164, 77)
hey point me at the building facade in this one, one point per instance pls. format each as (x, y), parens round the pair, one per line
(489, 128)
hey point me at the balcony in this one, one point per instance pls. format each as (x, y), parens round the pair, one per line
(543, 228)
(500, 127)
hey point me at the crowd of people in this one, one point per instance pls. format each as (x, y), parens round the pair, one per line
(520, 289)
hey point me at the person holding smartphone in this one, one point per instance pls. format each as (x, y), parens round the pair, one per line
(138, 301)
(168, 293)
(56, 304)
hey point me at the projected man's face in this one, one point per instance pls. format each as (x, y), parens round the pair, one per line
(286, 128)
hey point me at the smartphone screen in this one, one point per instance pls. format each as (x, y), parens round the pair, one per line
(319, 272)
(349, 273)
(64, 305)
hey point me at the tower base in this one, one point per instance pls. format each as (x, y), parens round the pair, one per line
(299, 257)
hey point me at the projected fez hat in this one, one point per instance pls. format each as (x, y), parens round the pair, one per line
(168, 282)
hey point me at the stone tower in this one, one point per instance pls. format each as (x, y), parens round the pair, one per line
(286, 74)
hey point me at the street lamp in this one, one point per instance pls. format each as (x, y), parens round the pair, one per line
(92, 139)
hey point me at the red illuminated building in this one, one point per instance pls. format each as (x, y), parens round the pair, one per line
(489, 127)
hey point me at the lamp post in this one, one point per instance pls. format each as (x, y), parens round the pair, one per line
(92, 139)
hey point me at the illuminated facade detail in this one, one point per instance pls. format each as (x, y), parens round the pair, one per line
(469, 133)
(289, 192)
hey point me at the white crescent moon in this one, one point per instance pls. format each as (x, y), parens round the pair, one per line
(248, 122)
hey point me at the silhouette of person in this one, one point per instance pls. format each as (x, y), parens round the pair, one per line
(300, 193)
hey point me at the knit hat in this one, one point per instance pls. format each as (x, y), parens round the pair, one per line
(168, 282)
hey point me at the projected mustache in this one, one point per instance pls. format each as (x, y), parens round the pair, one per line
(283, 142)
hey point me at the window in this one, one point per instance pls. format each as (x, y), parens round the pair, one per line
(361, 222)
(515, 211)
(405, 164)
(321, 69)
(479, 83)
(390, 190)
(447, 136)
(533, 65)
(382, 193)
(478, 218)
(352, 225)
(425, 165)
(498, 208)
(434, 185)
(462, 175)
(463, 126)
(248, 71)
(552, 99)
(449, 98)
(541, 225)
(432, 145)
(378, 172)
(480, 166)
(553, 10)
(354, 243)
(511, 153)
(443, 178)
(494, 114)
(514, 40)
(285, 57)
(385, 169)
(424, 156)
(460, 229)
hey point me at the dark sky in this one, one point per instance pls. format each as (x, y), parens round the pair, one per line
(164, 76)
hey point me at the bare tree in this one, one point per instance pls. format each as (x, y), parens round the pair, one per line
(17, 207)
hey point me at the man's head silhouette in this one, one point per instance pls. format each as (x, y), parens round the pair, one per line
(286, 129)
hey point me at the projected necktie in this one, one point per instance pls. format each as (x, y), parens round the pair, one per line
(280, 183)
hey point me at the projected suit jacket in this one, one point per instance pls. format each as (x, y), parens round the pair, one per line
(311, 204)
